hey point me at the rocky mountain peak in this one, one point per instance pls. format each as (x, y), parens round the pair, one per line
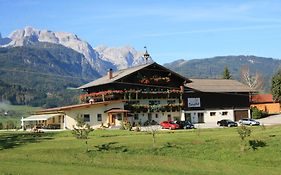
(121, 57)
(101, 58)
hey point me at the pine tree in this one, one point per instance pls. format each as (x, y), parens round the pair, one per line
(276, 86)
(226, 73)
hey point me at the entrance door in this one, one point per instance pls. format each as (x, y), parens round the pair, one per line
(149, 117)
(200, 117)
(187, 117)
(240, 114)
(113, 118)
(169, 117)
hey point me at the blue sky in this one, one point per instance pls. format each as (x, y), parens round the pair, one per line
(171, 29)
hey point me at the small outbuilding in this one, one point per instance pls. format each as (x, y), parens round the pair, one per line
(266, 103)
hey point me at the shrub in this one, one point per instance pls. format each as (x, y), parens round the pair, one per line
(243, 132)
(82, 130)
(257, 114)
(9, 125)
(126, 126)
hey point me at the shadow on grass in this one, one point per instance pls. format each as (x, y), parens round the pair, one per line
(255, 144)
(111, 146)
(13, 140)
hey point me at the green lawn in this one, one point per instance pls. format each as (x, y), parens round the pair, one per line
(14, 113)
(196, 152)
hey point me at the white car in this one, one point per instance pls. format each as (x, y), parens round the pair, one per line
(248, 121)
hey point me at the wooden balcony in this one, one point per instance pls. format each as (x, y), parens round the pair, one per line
(130, 95)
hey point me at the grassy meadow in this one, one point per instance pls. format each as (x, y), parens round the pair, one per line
(196, 152)
(14, 113)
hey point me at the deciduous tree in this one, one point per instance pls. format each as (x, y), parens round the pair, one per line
(82, 129)
(253, 81)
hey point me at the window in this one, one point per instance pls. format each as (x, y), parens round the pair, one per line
(99, 117)
(169, 102)
(224, 113)
(136, 116)
(156, 115)
(212, 113)
(86, 117)
(154, 102)
(201, 117)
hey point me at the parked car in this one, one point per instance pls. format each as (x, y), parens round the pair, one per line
(185, 125)
(169, 125)
(248, 121)
(227, 122)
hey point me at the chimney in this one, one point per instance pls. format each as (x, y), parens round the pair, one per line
(109, 73)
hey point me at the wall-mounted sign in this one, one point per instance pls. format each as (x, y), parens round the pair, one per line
(193, 102)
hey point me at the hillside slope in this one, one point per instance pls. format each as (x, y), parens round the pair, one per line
(40, 74)
(213, 67)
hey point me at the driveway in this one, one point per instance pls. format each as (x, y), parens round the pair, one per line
(271, 120)
(206, 125)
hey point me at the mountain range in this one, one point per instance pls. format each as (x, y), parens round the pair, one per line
(213, 67)
(41, 67)
(100, 58)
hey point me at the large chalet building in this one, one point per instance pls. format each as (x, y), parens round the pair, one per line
(146, 93)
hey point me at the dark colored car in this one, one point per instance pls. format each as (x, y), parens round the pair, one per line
(169, 125)
(226, 122)
(185, 124)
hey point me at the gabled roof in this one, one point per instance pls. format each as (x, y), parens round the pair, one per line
(218, 85)
(262, 98)
(115, 76)
(122, 73)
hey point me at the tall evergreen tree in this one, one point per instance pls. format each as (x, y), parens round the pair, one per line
(276, 85)
(226, 73)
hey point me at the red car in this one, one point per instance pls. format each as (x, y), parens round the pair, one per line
(169, 125)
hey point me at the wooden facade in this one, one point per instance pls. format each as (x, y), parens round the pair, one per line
(211, 100)
(149, 93)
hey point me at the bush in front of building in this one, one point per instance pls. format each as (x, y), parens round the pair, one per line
(126, 126)
(9, 124)
(82, 129)
(257, 114)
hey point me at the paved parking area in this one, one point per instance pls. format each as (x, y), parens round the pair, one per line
(206, 125)
(271, 120)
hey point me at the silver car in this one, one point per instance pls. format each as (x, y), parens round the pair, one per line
(248, 121)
